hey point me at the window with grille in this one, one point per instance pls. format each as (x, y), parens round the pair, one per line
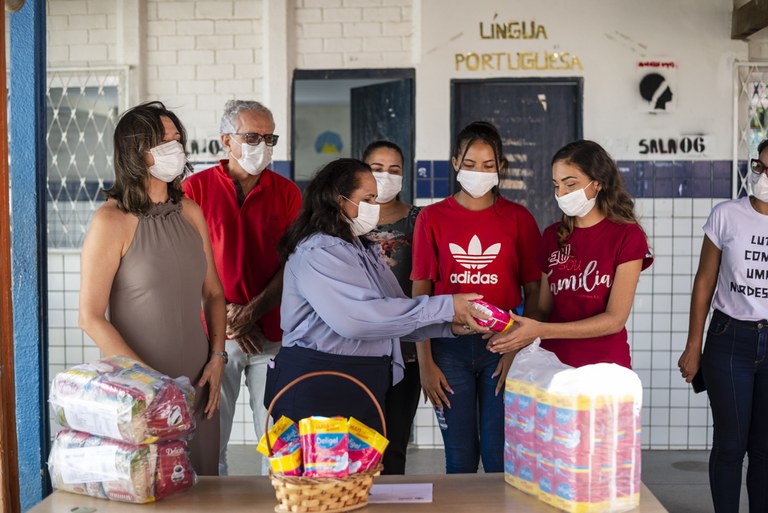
(751, 118)
(83, 108)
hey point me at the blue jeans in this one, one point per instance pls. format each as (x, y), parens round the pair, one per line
(475, 420)
(735, 369)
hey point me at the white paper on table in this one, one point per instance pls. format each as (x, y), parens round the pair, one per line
(389, 493)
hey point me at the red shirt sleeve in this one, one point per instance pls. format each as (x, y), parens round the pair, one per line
(294, 204)
(634, 247)
(530, 247)
(189, 190)
(425, 264)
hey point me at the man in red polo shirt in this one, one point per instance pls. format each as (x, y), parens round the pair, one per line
(248, 208)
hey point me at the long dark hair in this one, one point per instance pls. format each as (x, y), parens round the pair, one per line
(320, 210)
(138, 130)
(613, 198)
(480, 131)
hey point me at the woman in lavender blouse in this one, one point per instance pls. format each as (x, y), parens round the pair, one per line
(342, 308)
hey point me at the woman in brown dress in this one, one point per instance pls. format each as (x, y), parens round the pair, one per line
(148, 257)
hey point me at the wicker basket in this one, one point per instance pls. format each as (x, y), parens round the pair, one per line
(298, 494)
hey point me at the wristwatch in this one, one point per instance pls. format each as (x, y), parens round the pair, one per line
(223, 354)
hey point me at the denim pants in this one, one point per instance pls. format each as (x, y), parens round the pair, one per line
(475, 421)
(735, 369)
(255, 368)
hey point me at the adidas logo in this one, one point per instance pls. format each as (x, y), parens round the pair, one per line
(474, 257)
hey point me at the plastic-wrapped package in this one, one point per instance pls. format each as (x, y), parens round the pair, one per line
(366, 446)
(325, 445)
(572, 436)
(120, 398)
(110, 469)
(284, 432)
(288, 460)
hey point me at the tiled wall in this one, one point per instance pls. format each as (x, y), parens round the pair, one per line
(673, 417)
(643, 179)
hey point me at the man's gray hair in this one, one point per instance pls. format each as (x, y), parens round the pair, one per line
(233, 108)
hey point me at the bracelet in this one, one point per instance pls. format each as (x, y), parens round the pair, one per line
(223, 355)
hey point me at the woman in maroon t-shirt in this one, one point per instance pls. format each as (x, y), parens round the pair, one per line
(593, 259)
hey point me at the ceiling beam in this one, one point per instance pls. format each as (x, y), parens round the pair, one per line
(749, 18)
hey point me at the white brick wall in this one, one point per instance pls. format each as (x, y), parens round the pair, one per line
(353, 33)
(81, 33)
(200, 54)
(195, 55)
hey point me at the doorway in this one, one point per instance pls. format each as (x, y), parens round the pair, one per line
(535, 117)
(337, 113)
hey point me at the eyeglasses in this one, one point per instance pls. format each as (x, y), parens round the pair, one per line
(254, 138)
(757, 167)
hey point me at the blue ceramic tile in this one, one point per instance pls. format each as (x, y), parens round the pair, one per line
(702, 188)
(644, 188)
(441, 168)
(643, 170)
(683, 169)
(664, 188)
(683, 188)
(423, 188)
(441, 188)
(423, 169)
(627, 170)
(722, 169)
(282, 168)
(721, 188)
(683, 172)
(702, 170)
(663, 169)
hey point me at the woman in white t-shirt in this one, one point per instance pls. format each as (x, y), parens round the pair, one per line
(733, 268)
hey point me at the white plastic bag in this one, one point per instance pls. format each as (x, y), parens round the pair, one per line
(572, 436)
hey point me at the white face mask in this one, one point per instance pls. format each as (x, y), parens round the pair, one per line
(367, 217)
(254, 158)
(576, 204)
(759, 185)
(170, 161)
(389, 186)
(476, 183)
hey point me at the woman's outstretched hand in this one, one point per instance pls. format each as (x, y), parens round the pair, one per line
(464, 314)
(523, 332)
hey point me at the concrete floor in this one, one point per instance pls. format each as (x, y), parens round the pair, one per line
(677, 478)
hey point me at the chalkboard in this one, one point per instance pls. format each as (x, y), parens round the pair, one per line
(385, 111)
(535, 117)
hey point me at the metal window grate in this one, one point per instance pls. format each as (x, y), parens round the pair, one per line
(750, 119)
(82, 109)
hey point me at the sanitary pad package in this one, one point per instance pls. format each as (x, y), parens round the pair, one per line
(572, 436)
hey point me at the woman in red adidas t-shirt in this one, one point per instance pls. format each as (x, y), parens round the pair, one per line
(594, 257)
(474, 241)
